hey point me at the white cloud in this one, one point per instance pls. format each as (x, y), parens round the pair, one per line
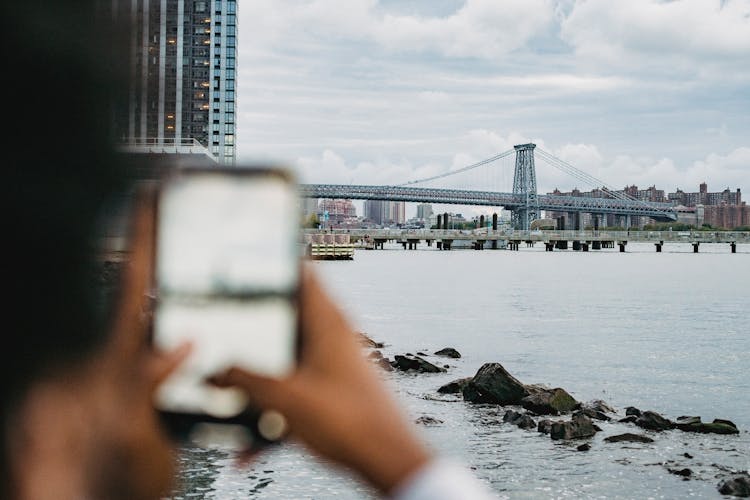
(481, 28)
(677, 34)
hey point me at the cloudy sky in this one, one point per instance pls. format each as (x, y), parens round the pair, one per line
(384, 91)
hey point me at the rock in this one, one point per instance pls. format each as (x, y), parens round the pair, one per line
(595, 414)
(632, 410)
(687, 420)
(687, 455)
(454, 387)
(415, 363)
(681, 472)
(427, 420)
(544, 426)
(543, 401)
(366, 341)
(737, 485)
(653, 421)
(583, 447)
(599, 406)
(629, 438)
(375, 355)
(630, 419)
(520, 419)
(420, 353)
(694, 424)
(449, 352)
(708, 428)
(493, 384)
(725, 422)
(580, 426)
(385, 364)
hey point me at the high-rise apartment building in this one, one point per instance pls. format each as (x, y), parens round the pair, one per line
(183, 65)
(385, 212)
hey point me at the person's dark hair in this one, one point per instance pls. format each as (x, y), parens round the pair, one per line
(66, 66)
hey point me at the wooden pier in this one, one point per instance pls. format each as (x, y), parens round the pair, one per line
(481, 239)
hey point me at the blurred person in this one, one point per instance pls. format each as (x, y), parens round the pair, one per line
(78, 374)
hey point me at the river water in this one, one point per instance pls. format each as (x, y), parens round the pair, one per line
(667, 332)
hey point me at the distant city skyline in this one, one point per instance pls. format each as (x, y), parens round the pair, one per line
(379, 92)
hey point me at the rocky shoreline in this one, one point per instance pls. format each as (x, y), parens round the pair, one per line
(554, 413)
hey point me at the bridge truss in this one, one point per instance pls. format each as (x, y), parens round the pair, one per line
(524, 202)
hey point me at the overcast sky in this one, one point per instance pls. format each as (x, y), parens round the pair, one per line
(384, 91)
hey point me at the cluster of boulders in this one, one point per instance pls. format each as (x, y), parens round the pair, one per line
(492, 384)
(407, 362)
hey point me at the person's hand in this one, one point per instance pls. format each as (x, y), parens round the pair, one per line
(127, 375)
(335, 403)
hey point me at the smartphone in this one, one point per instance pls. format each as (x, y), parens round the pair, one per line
(226, 279)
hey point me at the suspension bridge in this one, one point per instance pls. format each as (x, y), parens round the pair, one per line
(469, 186)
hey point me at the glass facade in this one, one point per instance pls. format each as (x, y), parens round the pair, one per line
(183, 63)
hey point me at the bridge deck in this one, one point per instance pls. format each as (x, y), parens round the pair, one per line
(659, 211)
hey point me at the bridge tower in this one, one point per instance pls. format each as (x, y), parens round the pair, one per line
(524, 184)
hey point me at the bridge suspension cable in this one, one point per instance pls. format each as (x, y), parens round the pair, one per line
(462, 169)
(587, 178)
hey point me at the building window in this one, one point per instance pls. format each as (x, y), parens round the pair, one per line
(200, 6)
(229, 95)
(228, 150)
(230, 62)
(228, 117)
(231, 7)
(229, 140)
(231, 41)
(229, 128)
(230, 85)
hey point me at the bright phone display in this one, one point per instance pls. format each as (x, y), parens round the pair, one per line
(226, 275)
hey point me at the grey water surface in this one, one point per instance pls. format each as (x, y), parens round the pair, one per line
(668, 332)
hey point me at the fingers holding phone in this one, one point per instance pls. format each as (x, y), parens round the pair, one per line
(226, 280)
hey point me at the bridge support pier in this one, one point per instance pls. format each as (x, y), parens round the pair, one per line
(695, 247)
(733, 246)
(577, 246)
(513, 245)
(447, 244)
(439, 245)
(549, 246)
(658, 246)
(561, 244)
(622, 245)
(585, 246)
(596, 245)
(429, 243)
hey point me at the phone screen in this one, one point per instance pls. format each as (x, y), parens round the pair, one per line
(226, 274)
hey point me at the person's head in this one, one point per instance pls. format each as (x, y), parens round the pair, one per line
(69, 375)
